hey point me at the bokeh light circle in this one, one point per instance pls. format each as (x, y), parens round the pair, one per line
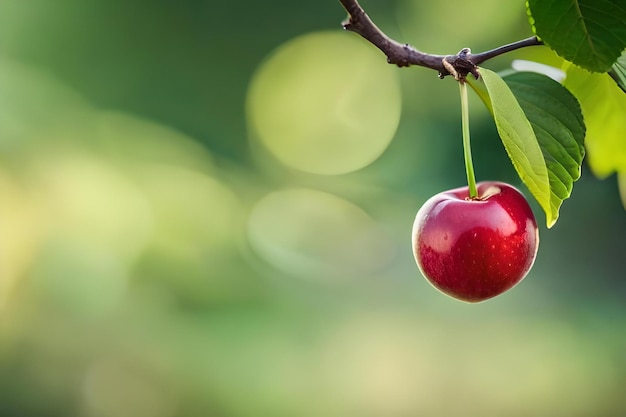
(195, 214)
(325, 103)
(317, 236)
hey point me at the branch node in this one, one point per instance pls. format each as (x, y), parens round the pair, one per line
(459, 65)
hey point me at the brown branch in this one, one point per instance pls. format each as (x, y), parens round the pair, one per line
(404, 55)
(484, 56)
(399, 54)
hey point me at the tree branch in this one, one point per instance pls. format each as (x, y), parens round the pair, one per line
(404, 55)
(478, 59)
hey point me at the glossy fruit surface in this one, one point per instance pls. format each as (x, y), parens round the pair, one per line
(475, 249)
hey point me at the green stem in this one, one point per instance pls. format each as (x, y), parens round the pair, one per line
(467, 149)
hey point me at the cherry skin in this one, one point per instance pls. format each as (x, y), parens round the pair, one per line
(475, 249)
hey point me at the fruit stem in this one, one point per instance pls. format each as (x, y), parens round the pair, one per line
(467, 149)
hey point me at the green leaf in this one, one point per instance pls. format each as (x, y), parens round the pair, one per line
(604, 108)
(557, 121)
(518, 138)
(589, 33)
(618, 72)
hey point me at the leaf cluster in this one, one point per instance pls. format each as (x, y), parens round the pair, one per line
(547, 127)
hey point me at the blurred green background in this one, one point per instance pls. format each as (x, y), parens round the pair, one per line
(206, 207)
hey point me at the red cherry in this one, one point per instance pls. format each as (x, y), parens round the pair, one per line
(475, 249)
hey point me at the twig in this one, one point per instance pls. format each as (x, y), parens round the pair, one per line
(484, 56)
(404, 55)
